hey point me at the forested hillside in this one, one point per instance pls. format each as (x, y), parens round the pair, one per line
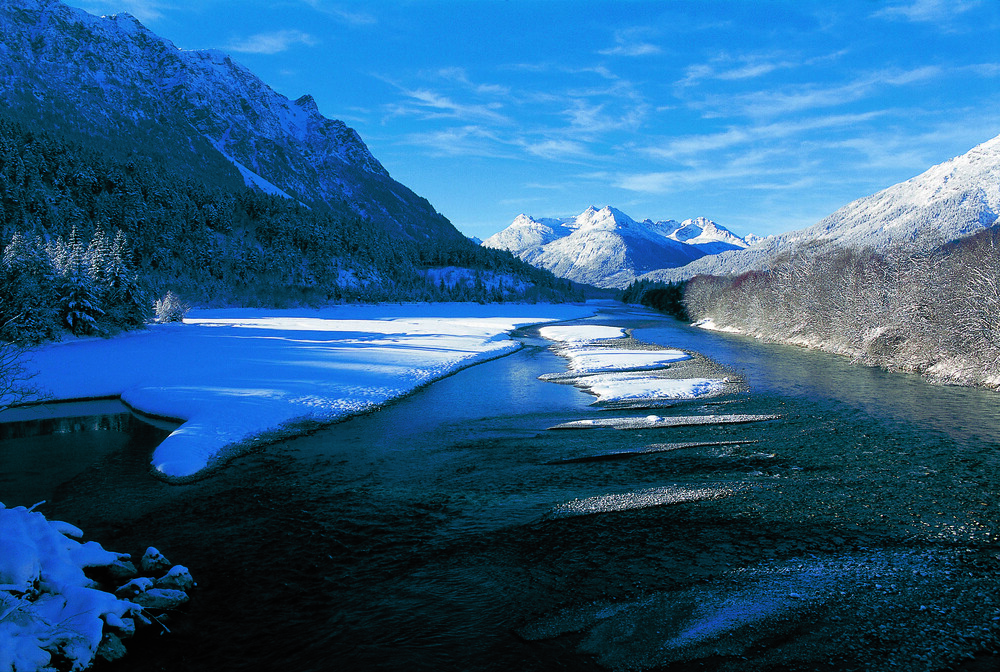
(90, 242)
(936, 313)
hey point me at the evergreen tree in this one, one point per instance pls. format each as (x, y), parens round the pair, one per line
(78, 298)
(27, 292)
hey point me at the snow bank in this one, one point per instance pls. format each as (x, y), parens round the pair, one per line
(47, 604)
(239, 376)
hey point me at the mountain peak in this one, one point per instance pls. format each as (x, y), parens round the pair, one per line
(607, 248)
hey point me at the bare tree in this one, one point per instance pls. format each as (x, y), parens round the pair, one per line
(16, 386)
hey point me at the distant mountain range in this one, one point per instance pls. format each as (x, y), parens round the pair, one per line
(607, 248)
(111, 80)
(949, 201)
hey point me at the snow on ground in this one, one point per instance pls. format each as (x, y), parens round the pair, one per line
(580, 333)
(710, 325)
(613, 387)
(238, 376)
(599, 360)
(47, 604)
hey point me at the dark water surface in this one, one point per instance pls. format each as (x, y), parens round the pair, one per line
(421, 537)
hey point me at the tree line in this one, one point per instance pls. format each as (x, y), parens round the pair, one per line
(936, 313)
(89, 240)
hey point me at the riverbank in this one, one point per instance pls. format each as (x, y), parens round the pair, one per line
(240, 378)
(881, 350)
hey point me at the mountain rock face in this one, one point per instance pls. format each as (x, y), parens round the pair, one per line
(949, 201)
(607, 248)
(111, 81)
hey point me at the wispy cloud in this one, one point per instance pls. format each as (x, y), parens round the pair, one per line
(466, 141)
(461, 76)
(732, 68)
(272, 43)
(428, 104)
(927, 11)
(630, 42)
(683, 148)
(802, 98)
(352, 17)
(558, 150)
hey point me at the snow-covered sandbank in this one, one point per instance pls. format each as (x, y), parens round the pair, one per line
(237, 377)
(602, 361)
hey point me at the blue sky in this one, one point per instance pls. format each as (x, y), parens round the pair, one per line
(764, 116)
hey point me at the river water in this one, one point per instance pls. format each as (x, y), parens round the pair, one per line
(858, 531)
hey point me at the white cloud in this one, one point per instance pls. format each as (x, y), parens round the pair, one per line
(629, 42)
(795, 100)
(470, 140)
(932, 11)
(697, 146)
(352, 17)
(732, 68)
(272, 43)
(557, 150)
(429, 104)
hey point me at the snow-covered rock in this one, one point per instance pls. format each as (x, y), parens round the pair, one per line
(949, 201)
(607, 248)
(53, 616)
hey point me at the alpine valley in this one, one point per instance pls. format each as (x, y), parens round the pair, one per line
(215, 186)
(607, 248)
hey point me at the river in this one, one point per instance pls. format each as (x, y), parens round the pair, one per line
(858, 531)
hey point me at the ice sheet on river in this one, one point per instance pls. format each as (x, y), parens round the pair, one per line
(240, 376)
(659, 421)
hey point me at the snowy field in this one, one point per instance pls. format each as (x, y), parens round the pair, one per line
(240, 376)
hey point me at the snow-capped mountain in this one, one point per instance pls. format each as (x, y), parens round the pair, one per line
(949, 201)
(607, 248)
(113, 81)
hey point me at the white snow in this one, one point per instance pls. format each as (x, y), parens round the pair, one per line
(611, 387)
(580, 333)
(47, 604)
(616, 374)
(598, 360)
(240, 376)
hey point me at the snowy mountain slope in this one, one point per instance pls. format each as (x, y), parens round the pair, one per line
(205, 116)
(949, 201)
(607, 248)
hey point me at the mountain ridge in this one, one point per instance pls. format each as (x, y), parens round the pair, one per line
(114, 79)
(946, 202)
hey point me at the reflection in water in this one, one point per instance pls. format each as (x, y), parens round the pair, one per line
(421, 536)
